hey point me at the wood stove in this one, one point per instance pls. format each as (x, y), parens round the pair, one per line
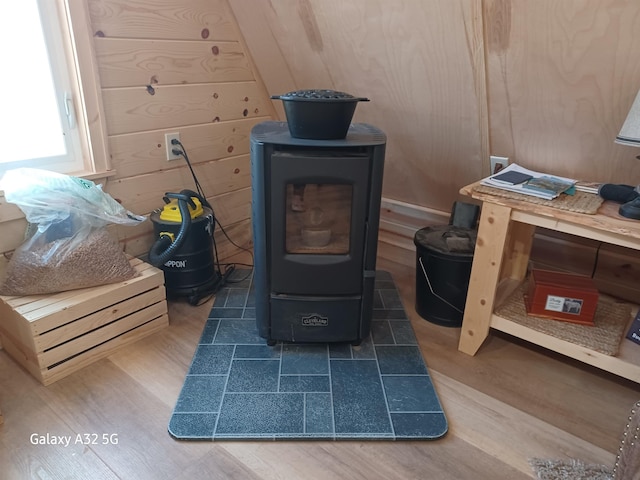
(315, 217)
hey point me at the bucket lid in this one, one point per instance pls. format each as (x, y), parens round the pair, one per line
(447, 239)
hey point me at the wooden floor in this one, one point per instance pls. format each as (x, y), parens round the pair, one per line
(507, 404)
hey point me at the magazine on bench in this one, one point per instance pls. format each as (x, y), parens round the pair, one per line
(529, 182)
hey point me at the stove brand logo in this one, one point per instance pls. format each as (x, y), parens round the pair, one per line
(315, 320)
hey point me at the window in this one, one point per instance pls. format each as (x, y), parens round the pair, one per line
(51, 91)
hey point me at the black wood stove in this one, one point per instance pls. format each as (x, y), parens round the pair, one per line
(315, 208)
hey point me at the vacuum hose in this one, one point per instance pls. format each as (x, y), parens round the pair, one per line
(163, 248)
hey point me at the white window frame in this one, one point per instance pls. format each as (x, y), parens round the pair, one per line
(85, 99)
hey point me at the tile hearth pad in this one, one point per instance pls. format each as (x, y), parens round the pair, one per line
(237, 387)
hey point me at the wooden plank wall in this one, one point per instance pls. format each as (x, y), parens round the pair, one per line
(547, 83)
(165, 67)
(421, 63)
(561, 78)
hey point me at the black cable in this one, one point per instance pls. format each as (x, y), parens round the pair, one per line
(183, 152)
(204, 300)
(239, 247)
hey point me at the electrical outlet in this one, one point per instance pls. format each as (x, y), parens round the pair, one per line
(167, 141)
(498, 163)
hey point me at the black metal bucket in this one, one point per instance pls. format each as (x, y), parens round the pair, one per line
(444, 255)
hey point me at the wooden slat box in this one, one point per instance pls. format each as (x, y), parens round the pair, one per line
(57, 334)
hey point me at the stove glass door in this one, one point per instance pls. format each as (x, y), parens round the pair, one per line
(318, 220)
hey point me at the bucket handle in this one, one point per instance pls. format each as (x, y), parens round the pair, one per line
(426, 277)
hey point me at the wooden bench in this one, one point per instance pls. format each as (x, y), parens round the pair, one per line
(505, 236)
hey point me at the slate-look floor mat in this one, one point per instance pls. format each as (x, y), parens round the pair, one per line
(239, 388)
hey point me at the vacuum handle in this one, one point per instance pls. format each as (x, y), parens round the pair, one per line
(180, 196)
(163, 248)
(191, 193)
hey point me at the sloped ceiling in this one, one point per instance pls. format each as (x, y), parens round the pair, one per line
(396, 54)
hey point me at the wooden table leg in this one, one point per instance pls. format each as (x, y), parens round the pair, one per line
(515, 260)
(493, 230)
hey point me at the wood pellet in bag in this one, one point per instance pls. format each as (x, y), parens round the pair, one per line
(96, 260)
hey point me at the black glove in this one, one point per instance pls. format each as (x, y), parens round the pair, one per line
(618, 193)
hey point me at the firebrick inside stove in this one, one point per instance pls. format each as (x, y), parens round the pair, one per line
(315, 217)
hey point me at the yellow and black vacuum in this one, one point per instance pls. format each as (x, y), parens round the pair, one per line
(184, 246)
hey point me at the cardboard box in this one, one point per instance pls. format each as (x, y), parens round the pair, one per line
(54, 335)
(562, 296)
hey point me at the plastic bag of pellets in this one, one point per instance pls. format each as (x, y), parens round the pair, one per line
(67, 245)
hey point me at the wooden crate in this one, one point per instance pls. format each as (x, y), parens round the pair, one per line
(54, 335)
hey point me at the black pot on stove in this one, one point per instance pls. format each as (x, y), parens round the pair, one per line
(319, 114)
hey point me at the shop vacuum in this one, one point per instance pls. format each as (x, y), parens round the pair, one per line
(185, 247)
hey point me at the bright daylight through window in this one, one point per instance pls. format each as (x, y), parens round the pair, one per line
(44, 113)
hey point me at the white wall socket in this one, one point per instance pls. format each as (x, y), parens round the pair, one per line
(167, 142)
(498, 163)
